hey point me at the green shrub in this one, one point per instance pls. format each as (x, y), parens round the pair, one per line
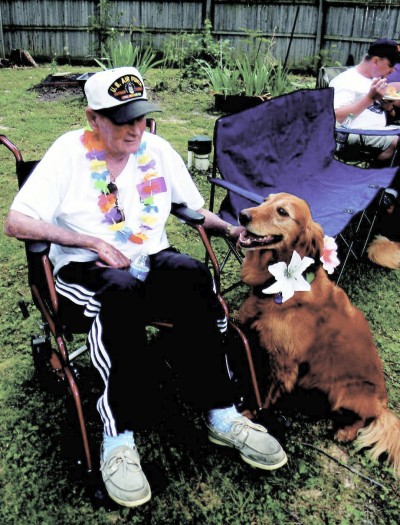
(121, 52)
(182, 50)
(251, 72)
(247, 78)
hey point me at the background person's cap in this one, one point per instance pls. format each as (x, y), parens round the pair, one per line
(385, 48)
(119, 94)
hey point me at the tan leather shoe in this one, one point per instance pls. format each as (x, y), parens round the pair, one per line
(123, 477)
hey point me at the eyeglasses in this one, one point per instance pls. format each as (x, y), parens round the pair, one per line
(116, 214)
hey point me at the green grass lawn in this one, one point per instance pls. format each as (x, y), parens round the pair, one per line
(193, 482)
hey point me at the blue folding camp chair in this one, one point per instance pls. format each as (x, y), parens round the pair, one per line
(287, 144)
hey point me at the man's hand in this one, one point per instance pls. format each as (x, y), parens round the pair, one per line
(110, 256)
(378, 88)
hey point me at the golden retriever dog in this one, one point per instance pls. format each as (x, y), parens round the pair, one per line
(315, 339)
(384, 252)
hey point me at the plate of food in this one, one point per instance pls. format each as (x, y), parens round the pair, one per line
(392, 94)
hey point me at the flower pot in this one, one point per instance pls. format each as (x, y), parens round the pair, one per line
(234, 103)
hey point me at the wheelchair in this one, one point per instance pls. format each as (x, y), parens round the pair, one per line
(54, 358)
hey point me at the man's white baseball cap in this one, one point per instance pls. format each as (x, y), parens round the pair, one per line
(119, 94)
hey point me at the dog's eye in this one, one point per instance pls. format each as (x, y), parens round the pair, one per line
(282, 212)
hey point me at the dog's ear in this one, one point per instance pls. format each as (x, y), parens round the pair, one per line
(312, 243)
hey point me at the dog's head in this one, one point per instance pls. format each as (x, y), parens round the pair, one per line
(274, 229)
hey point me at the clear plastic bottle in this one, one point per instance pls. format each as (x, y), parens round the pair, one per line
(342, 137)
(140, 266)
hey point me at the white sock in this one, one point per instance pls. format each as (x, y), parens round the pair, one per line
(221, 418)
(111, 442)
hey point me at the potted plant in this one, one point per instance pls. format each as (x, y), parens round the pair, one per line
(246, 81)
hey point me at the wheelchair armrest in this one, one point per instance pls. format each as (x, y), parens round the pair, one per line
(186, 214)
(37, 247)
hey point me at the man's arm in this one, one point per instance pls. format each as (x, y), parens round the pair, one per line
(215, 223)
(23, 227)
(377, 90)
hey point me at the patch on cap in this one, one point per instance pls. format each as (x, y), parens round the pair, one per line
(127, 87)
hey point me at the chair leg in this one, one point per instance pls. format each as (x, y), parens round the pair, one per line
(250, 362)
(393, 161)
(78, 405)
(368, 216)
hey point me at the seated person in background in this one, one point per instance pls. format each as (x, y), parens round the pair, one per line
(360, 91)
(100, 195)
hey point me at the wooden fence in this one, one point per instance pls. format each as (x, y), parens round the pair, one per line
(299, 29)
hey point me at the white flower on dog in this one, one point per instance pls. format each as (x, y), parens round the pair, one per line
(289, 279)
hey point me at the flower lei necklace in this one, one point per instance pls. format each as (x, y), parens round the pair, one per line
(108, 198)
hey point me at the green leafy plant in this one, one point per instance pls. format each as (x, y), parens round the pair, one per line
(117, 48)
(103, 23)
(121, 52)
(248, 73)
(53, 65)
(279, 81)
(178, 48)
(255, 76)
(222, 80)
(183, 49)
(326, 58)
(247, 78)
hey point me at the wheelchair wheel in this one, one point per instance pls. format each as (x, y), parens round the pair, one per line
(48, 369)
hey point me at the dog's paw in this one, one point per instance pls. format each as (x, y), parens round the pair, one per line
(345, 435)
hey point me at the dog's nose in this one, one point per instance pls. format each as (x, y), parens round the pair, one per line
(244, 218)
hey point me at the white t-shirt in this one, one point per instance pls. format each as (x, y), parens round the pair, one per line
(349, 86)
(61, 191)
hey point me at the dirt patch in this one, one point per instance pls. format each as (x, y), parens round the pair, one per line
(60, 86)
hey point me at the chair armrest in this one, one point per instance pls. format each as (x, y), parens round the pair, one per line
(186, 214)
(12, 147)
(375, 132)
(254, 197)
(38, 247)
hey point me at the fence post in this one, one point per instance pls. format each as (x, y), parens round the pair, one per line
(2, 35)
(318, 35)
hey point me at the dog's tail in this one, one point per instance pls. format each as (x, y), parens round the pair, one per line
(382, 436)
(384, 252)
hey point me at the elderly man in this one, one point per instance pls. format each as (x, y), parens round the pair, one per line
(100, 195)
